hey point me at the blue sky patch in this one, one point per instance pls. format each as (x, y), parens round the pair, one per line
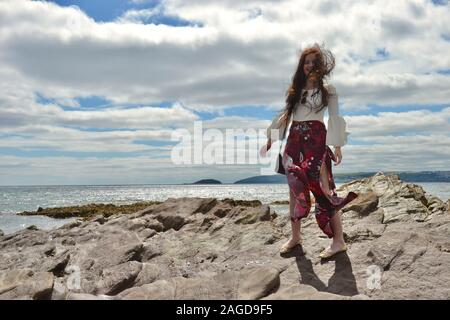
(105, 10)
(260, 112)
(156, 143)
(110, 10)
(170, 21)
(381, 54)
(163, 104)
(440, 2)
(444, 71)
(91, 102)
(203, 115)
(41, 99)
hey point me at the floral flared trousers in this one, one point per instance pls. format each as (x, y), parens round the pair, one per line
(303, 156)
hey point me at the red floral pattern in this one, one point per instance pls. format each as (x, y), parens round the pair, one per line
(303, 157)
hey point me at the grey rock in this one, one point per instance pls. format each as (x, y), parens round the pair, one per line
(87, 296)
(364, 204)
(161, 289)
(436, 205)
(258, 282)
(205, 248)
(118, 278)
(400, 201)
(149, 273)
(304, 292)
(250, 283)
(25, 284)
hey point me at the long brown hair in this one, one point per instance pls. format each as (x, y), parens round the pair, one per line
(324, 63)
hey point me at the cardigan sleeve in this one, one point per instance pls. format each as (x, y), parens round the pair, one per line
(275, 130)
(336, 134)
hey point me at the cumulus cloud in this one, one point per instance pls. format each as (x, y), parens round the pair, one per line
(410, 122)
(131, 118)
(138, 16)
(245, 53)
(235, 53)
(42, 137)
(404, 155)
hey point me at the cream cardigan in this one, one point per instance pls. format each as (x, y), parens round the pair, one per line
(336, 134)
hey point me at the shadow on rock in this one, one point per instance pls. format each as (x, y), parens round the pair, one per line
(342, 282)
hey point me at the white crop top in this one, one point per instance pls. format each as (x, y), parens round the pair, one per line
(336, 134)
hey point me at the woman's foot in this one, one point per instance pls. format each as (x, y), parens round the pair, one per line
(291, 244)
(333, 249)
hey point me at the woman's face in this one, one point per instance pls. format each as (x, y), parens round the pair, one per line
(309, 63)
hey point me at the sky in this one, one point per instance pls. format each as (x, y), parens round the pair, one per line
(92, 91)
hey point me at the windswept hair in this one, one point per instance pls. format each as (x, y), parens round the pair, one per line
(324, 63)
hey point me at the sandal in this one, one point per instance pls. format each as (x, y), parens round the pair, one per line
(285, 248)
(327, 253)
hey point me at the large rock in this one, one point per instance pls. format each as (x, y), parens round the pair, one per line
(87, 296)
(205, 248)
(435, 205)
(365, 203)
(25, 284)
(400, 201)
(117, 278)
(299, 291)
(256, 283)
(88, 211)
(249, 283)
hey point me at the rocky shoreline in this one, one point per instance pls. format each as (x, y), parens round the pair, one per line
(205, 248)
(89, 211)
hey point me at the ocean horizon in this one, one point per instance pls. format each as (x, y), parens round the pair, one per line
(405, 176)
(15, 199)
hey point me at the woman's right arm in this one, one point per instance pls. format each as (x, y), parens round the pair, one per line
(275, 131)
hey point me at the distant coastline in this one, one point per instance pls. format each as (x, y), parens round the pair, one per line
(206, 181)
(407, 176)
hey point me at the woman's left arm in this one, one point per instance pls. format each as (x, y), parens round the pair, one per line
(336, 134)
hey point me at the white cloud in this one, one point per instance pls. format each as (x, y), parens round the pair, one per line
(138, 16)
(397, 154)
(245, 53)
(123, 170)
(385, 123)
(129, 118)
(41, 137)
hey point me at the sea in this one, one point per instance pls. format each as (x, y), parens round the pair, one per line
(15, 199)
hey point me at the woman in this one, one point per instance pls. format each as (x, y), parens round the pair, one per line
(306, 157)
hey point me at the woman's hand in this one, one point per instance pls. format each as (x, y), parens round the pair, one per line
(265, 148)
(338, 154)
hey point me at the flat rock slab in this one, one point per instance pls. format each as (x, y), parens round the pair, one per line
(205, 248)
